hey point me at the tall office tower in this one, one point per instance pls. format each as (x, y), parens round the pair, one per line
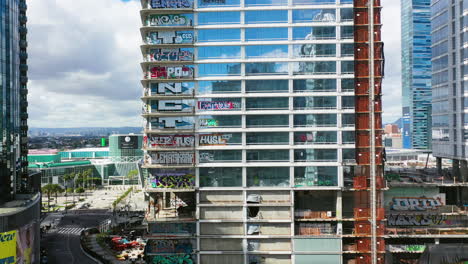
(262, 143)
(416, 72)
(448, 102)
(19, 194)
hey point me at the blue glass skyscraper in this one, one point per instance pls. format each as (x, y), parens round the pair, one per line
(416, 72)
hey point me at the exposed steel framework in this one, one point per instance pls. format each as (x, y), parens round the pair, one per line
(369, 182)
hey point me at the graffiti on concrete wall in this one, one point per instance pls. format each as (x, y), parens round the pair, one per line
(433, 220)
(170, 141)
(172, 72)
(218, 105)
(170, 37)
(416, 203)
(214, 139)
(173, 158)
(170, 55)
(177, 182)
(172, 105)
(208, 122)
(168, 20)
(171, 88)
(172, 123)
(172, 259)
(171, 3)
(170, 246)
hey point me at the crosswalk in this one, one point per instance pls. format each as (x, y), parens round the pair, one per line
(69, 230)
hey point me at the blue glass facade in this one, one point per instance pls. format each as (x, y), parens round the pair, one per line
(13, 93)
(416, 71)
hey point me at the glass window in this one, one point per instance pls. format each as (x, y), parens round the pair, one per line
(440, 63)
(347, 85)
(266, 177)
(266, 68)
(441, 120)
(315, 176)
(266, 16)
(314, 50)
(219, 69)
(348, 137)
(346, 14)
(219, 104)
(268, 155)
(313, 2)
(267, 120)
(215, 121)
(348, 120)
(315, 137)
(347, 50)
(219, 35)
(268, 138)
(347, 67)
(209, 156)
(321, 85)
(314, 15)
(220, 177)
(347, 102)
(265, 34)
(266, 86)
(347, 32)
(218, 3)
(442, 48)
(310, 33)
(218, 18)
(266, 51)
(315, 120)
(315, 155)
(318, 67)
(314, 102)
(265, 2)
(267, 103)
(216, 87)
(217, 52)
(219, 139)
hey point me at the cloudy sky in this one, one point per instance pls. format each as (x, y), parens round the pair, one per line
(84, 63)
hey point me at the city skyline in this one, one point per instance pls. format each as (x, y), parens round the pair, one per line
(108, 86)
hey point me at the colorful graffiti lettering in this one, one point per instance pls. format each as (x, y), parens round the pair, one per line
(172, 122)
(173, 158)
(171, 4)
(171, 72)
(415, 204)
(169, 37)
(177, 182)
(173, 259)
(172, 141)
(170, 246)
(208, 122)
(170, 55)
(417, 220)
(405, 248)
(222, 105)
(168, 20)
(214, 139)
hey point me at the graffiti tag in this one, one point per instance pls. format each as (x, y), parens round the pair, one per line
(173, 158)
(172, 141)
(170, 55)
(416, 220)
(171, 4)
(171, 72)
(176, 182)
(172, 122)
(168, 20)
(218, 105)
(214, 139)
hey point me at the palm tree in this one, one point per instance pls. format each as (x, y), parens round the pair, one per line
(56, 189)
(66, 178)
(48, 190)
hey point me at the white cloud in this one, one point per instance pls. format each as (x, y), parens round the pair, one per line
(391, 34)
(84, 63)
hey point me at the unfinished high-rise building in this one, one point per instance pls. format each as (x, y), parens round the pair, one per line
(263, 135)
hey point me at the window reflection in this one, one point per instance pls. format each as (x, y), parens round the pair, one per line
(315, 155)
(314, 102)
(315, 137)
(312, 2)
(265, 34)
(267, 138)
(315, 120)
(218, 3)
(219, 69)
(210, 156)
(319, 67)
(218, 18)
(269, 16)
(265, 86)
(315, 176)
(347, 50)
(266, 68)
(348, 120)
(267, 120)
(219, 35)
(214, 121)
(314, 50)
(348, 137)
(314, 15)
(219, 104)
(216, 87)
(268, 177)
(347, 32)
(265, 2)
(266, 51)
(220, 177)
(322, 85)
(311, 33)
(268, 155)
(219, 52)
(275, 103)
(346, 14)
(347, 67)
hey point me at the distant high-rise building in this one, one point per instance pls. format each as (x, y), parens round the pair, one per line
(19, 193)
(258, 140)
(449, 106)
(416, 71)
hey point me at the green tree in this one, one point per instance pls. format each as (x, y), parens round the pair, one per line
(48, 190)
(56, 190)
(67, 178)
(79, 191)
(132, 175)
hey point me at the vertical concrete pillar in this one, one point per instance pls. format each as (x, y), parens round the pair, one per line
(463, 170)
(439, 165)
(456, 169)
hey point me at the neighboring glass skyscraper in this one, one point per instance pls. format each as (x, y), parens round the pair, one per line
(416, 72)
(258, 143)
(20, 200)
(449, 73)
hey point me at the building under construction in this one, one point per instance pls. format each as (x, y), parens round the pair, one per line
(263, 131)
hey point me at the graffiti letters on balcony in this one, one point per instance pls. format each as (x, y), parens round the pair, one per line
(177, 72)
(169, 20)
(177, 182)
(169, 37)
(206, 157)
(218, 105)
(171, 141)
(173, 158)
(171, 4)
(415, 204)
(418, 220)
(171, 88)
(172, 122)
(170, 55)
(214, 139)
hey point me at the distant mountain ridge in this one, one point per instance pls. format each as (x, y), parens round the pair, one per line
(83, 131)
